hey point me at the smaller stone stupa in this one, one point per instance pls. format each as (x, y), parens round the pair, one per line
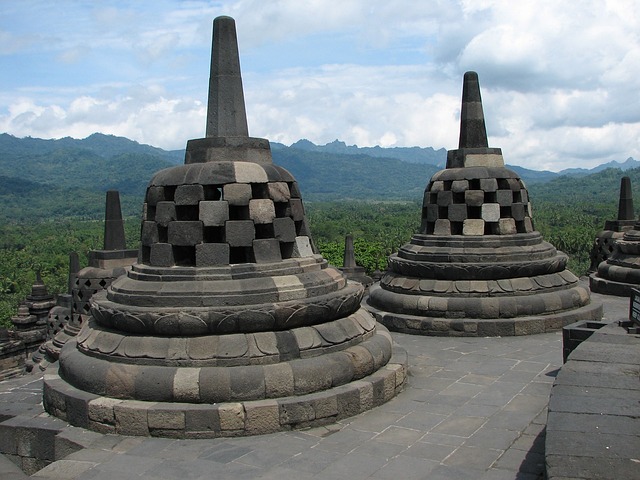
(350, 268)
(478, 267)
(605, 240)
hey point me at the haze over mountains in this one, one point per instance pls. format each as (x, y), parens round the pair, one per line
(42, 179)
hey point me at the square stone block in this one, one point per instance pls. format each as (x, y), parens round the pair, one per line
(188, 194)
(284, 229)
(186, 233)
(155, 195)
(473, 226)
(507, 226)
(524, 196)
(442, 227)
(267, 250)
(249, 172)
(279, 191)
(165, 213)
(459, 186)
(514, 184)
(457, 212)
(432, 212)
(149, 233)
(214, 213)
(488, 184)
(240, 233)
(211, 254)
(437, 186)
(445, 198)
(490, 212)
(161, 255)
(262, 210)
(528, 225)
(237, 193)
(474, 198)
(504, 197)
(517, 211)
(297, 209)
(302, 247)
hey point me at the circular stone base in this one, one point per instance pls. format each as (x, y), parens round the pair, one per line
(482, 327)
(227, 419)
(610, 287)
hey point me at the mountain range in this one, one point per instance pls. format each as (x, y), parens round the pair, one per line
(44, 179)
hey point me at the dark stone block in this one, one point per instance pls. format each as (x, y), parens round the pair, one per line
(214, 213)
(165, 213)
(202, 418)
(212, 254)
(432, 212)
(153, 383)
(149, 234)
(161, 255)
(185, 233)
(247, 383)
(310, 375)
(474, 198)
(155, 195)
(517, 211)
(189, 194)
(297, 209)
(284, 229)
(488, 185)
(457, 212)
(215, 385)
(504, 197)
(267, 250)
(240, 233)
(237, 194)
(445, 198)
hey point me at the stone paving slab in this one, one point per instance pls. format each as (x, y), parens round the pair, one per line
(472, 408)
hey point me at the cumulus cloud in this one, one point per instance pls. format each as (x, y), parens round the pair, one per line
(559, 79)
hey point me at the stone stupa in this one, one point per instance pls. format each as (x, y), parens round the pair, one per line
(230, 323)
(478, 267)
(605, 240)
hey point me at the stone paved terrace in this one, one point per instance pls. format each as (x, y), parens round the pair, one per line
(473, 408)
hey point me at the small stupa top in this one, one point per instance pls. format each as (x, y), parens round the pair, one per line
(227, 134)
(473, 146)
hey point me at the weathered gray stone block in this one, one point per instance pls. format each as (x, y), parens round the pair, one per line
(473, 226)
(161, 255)
(155, 195)
(267, 250)
(240, 233)
(442, 227)
(457, 212)
(302, 247)
(232, 416)
(262, 210)
(507, 226)
(445, 198)
(488, 184)
(237, 193)
(165, 213)
(297, 209)
(459, 186)
(474, 198)
(517, 211)
(149, 234)
(262, 416)
(211, 254)
(186, 233)
(214, 213)
(490, 212)
(504, 197)
(279, 191)
(284, 229)
(189, 194)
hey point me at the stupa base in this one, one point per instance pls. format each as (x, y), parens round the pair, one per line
(610, 287)
(483, 327)
(226, 419)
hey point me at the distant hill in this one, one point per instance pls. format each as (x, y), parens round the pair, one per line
(51, 178)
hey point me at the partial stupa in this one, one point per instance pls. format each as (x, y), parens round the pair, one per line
(605, 240)
(478, 267)
(230, 323)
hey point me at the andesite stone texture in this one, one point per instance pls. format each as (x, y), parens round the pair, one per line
(230, 323)
(605, 240)
(352, 270)
(478, 267)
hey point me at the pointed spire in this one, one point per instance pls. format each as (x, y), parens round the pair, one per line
(473, 147)
(74, 268)
(625, 204)
(226, 115)
(349, 254)
(113, 224)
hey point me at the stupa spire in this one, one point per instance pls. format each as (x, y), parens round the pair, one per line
(226, 115)
(625, 204)
(473, 147)
(113, 223)
(473, 132)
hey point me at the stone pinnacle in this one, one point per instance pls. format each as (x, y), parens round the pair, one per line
(625, 204)
(74, 268)
(226, 115)
(349, 254)
(473, 133)
(113, 224)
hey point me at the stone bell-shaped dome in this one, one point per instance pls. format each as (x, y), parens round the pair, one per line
(230, 323)
(478, 267)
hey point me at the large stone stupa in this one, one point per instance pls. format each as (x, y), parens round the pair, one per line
(230, 323)
(478, 267)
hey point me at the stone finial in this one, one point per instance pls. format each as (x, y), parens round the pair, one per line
(473, 146)
(113, 224)
(226, 115)
(349, 254)
(473, 132)
(625, 204)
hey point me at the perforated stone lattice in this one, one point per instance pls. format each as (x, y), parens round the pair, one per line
(476, 206)
(220, 224)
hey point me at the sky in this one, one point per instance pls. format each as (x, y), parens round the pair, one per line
(560, 79)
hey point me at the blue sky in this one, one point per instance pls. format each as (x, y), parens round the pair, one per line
(560, 80)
